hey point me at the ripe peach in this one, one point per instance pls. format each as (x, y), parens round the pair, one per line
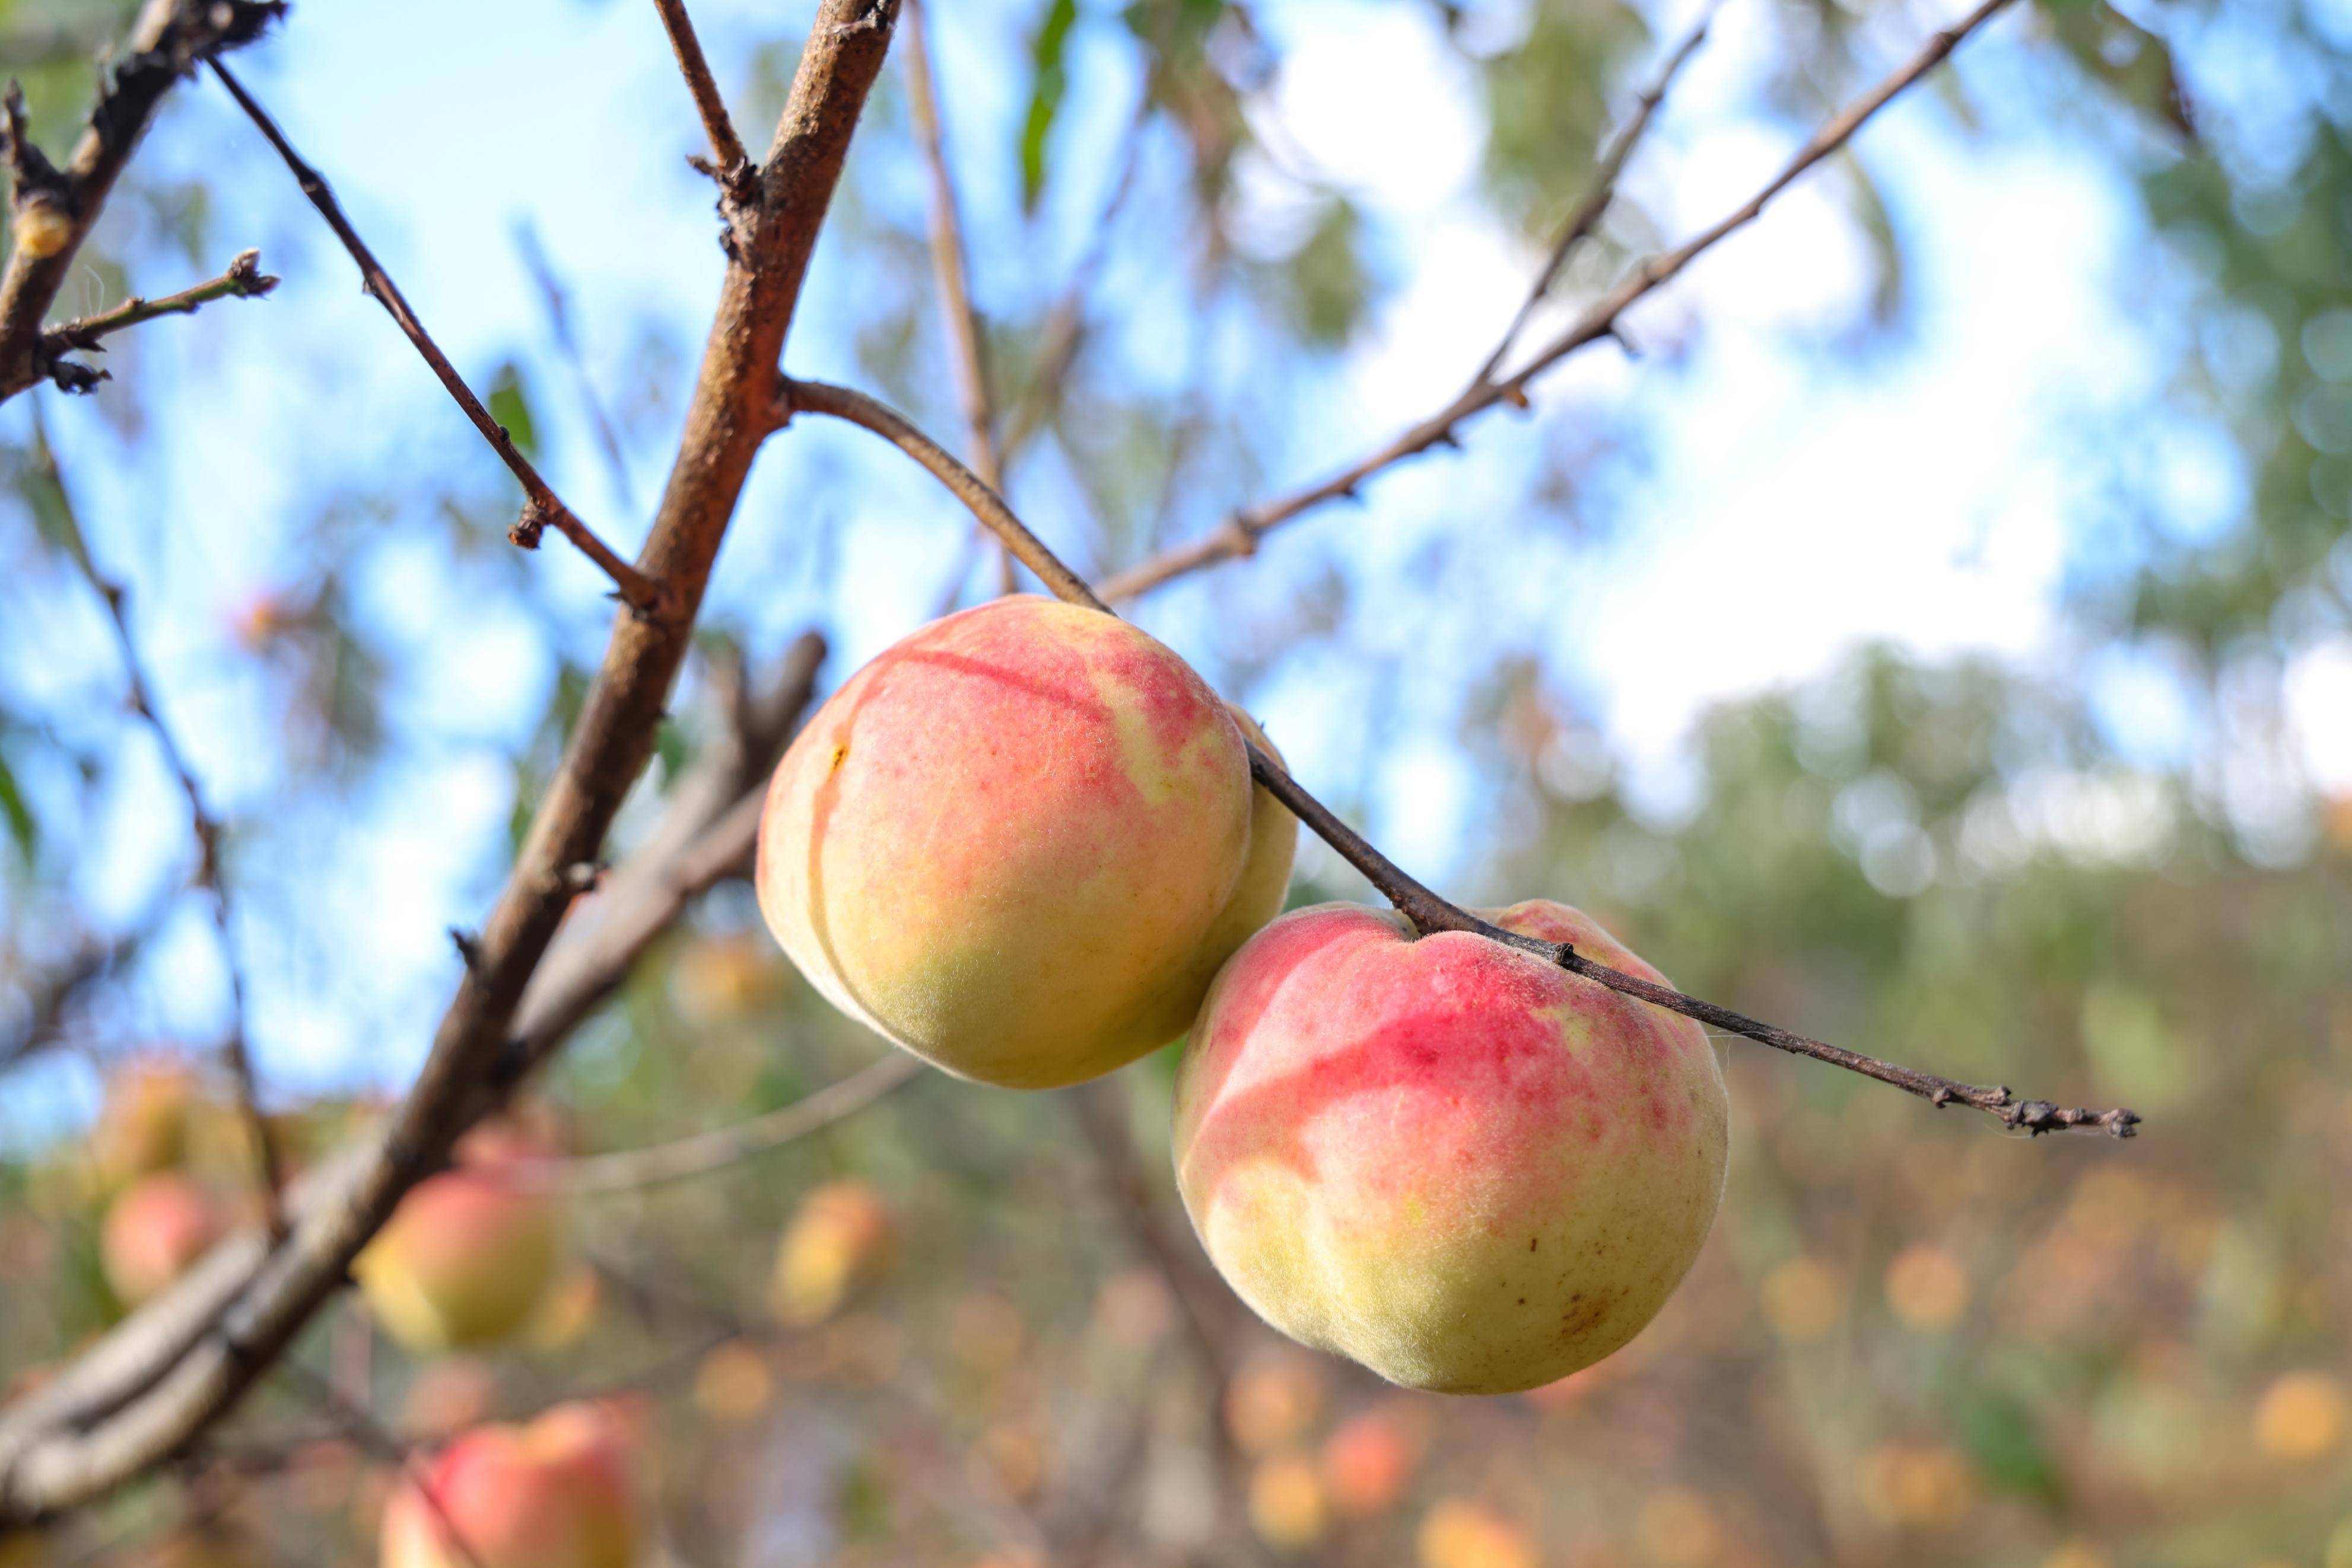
(467, 1255)
(1466, 1168)
(1367, 1461)
(159, 1227)
(839, 1238)
(561, 1492)
(1019, 843)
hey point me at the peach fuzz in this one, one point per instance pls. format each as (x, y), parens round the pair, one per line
(1019, 843)
(1466, 1168)
(561, 1492)
(466, 1257)
(154, 1232)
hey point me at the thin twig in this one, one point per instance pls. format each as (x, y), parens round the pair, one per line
(1240, 534)
(541, 506)
(235, 1053)
(56, 206)
(558, 303)
(1429, 913)
(634, 1169)
(1587, 216)
(242, 279)
(952, 271)
(729, 164)
(842, 402)
(359, 1425)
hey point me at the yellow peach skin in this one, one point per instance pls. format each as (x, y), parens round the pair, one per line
(1465, 1167)
(1019, 843)
(558, 1493)
(466, 1257)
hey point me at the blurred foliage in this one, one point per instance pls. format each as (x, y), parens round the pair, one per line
(1912, 1339)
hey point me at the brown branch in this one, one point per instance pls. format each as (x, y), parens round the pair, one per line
(157, 1381)
(55, 206)
(1240, 532)
(842, 402)
(1428, 912)
(235, 1052)
(730, 164)
(952, 271)
(541, 507)
(634, 1170)
(243, 279)
(1587, 216)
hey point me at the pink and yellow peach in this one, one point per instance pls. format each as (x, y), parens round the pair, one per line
(466, 1257)
(1019, 842)
(560, 1492)
(1466, 1168)
(154, 1232)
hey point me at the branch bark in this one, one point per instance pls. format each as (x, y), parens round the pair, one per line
(1241, 531)
(148, 1389)
(55, 206)
(1430, 913)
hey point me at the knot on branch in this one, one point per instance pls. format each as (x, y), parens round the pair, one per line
(528, 528)
(1242, 534)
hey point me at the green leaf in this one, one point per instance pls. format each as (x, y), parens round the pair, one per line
(1048, 88)
(1998, 1434)
(511, 408)
(21, 826)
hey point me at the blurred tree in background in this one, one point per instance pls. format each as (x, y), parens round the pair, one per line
(2107, 873)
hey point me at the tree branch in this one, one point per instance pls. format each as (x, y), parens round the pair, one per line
(242, 279)
(55, 207)
(1587, 216)
(558, 304)
(729, 164)
(541, 506)
(1241, 531)
(159, 1380)
(632, 1170)
(950, 270)
(1429, 913)
(235, 1053)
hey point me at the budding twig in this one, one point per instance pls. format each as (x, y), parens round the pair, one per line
(242, 279)
(541, 506)
(1240, 532)
(235, 1053)
(1430, 913)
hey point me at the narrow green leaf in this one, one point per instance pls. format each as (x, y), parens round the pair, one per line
(21, 826)
(1048, 88)
(511, 408)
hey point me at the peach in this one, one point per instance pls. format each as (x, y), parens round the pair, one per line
(1466, 1168)
(1367, 1462)
(153, 1232)
(469, 1254)
(838, 1240)
(561, 1492)
(1019, 842)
